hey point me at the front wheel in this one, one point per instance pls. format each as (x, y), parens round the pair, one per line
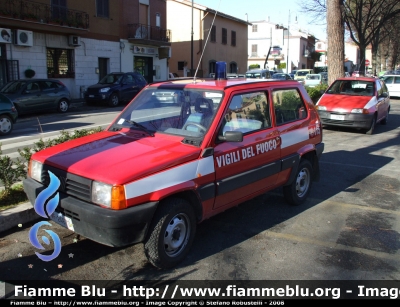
(171, 233)
(385, 120)
(63, 106)
(114, 100)
(372, 127)
(6, 125)
(297, 192)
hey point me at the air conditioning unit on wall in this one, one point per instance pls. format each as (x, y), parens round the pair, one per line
(24, 38)
(74, 40)
(5, 36)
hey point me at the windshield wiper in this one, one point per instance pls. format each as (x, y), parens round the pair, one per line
(137, 125)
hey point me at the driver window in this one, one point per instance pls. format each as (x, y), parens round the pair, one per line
(128, 79)
(247, 113)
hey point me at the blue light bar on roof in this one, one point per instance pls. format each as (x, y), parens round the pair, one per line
(220, 71)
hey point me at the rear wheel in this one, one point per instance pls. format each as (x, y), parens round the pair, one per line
(171, 233)
(297, 192)
(6, 125)
(114, 100)
(372, 127)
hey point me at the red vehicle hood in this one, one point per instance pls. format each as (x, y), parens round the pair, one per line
(334, 102)
(118, 158)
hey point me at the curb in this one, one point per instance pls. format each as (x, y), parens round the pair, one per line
(20, 214)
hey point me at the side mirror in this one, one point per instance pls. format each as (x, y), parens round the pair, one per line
(231, 136)
(384, 95)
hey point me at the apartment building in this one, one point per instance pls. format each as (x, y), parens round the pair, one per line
(278, 47)
(198, 43)
(78, 42)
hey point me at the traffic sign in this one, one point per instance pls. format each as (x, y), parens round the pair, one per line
(367, 62)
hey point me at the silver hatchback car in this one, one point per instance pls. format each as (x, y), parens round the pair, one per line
(37, 95)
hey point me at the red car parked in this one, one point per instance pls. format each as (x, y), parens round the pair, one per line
(356, 102)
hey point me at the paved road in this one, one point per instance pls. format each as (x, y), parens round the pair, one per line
(349, 229)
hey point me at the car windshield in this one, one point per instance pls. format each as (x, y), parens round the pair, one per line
(13, 87)
(111, 79)
(278, 76)
(253, 75)
(184, 112)
(302, 73)
(352, 87)
(313, 77)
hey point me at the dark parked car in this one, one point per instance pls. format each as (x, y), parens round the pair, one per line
(35, 95)
(8, 115)
(115, 88)
(281, 76)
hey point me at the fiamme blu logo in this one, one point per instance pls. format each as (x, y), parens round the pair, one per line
(46, 203)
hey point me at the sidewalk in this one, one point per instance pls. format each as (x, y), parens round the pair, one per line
(20, 214)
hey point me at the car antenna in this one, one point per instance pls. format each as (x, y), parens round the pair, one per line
(201, 56)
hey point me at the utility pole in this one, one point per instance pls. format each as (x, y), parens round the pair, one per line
(287, 55)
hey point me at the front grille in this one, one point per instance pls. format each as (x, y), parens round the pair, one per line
(92, 91)
(338, 122)
(70, 184)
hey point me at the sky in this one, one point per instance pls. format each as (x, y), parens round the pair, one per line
(278, 11)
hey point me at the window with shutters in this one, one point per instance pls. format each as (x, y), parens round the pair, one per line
(233, 38)
(102, 8)
(224, 36)
(213, 34)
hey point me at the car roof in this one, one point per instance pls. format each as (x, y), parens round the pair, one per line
(41, 79)
(357, 78)
(212, 84)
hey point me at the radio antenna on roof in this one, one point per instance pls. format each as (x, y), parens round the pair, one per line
(202, 52)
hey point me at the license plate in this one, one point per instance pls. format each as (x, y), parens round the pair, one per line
(62, 220)
(337, 117)
(91, 96)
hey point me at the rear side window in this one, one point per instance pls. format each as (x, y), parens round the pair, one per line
(247, 113)
(389, 80)
(288, 106)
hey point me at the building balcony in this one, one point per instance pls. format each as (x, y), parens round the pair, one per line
(148, 35)
(37, 15)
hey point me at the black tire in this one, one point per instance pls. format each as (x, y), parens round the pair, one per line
(63, 106)
(171, 233)
(372, 127)
(385, 120)
(6, 124)
(296, 193)
(114, 100)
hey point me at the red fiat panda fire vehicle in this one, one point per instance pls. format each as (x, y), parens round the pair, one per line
(179, 153)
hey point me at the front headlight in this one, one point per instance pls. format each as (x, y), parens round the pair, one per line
(108, 196)
(35, 170)
(359, 111)
(320, 108)
(104, 90)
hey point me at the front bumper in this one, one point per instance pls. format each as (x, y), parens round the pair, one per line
(97, 97)
(106, 226)
(352, 120)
